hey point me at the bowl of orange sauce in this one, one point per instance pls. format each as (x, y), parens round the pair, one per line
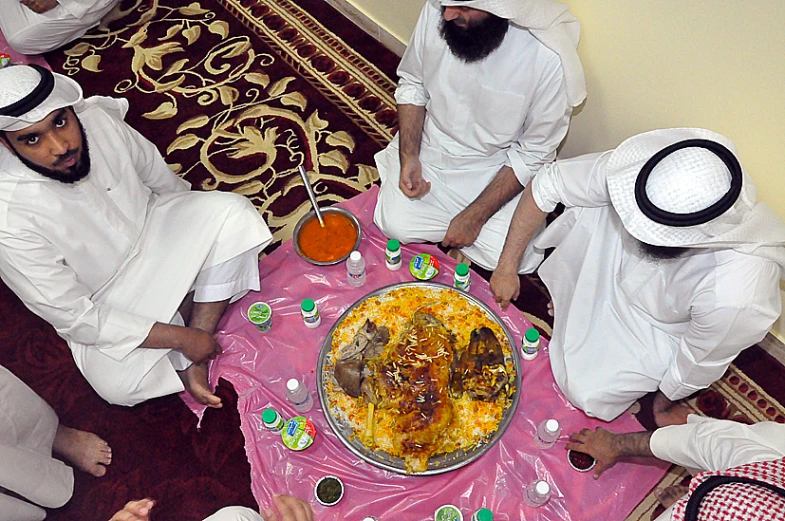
(330, 244)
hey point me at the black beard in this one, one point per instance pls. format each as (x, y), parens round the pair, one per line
(72, 174)
(476, 42)
(660, 253)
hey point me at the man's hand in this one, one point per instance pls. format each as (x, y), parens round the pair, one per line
(667, 412)
(600, 444)
(411, 182)
(39, 6)
(135, 511)
(505, 285)
(464, 229)
(289, 508)
(199, 346)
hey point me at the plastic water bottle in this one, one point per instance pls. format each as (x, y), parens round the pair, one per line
(298, 394)
(355, 269)
(547, 433)
(392, 255)
(537, 493)
(530, 344)
(462, 279)
(310, 313)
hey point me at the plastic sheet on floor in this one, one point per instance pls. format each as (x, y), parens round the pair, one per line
(259, 363)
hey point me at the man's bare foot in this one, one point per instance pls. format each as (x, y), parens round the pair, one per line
(84, 450)
(195, 381)
(669, 495)
(550, 308)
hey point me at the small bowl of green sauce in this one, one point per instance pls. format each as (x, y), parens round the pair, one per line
(329, 490)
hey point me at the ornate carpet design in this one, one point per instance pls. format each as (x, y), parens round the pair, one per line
(238, 94)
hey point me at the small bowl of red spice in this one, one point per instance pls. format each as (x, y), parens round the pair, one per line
(580, 461)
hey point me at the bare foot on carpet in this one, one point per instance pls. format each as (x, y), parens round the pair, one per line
(84, 450)
(550, 308)
(195, 380)
(669, 495)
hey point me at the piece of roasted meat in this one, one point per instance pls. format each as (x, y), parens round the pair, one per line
(479, 370)
(411, 377)
(350, 370)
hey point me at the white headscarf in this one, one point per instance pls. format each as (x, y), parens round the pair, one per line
(19, 82)
(686, 181)
(552, 24)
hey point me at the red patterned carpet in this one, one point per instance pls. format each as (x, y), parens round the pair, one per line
(237, 94)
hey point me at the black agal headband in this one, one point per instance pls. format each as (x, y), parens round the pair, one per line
(660, 216)
(35, 98)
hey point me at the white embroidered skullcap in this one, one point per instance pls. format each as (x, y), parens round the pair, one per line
(686, 196)
(551, 23)
(29, 93)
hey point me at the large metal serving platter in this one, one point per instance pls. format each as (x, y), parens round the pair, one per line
(437, 464)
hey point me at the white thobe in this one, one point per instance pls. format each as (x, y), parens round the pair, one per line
(28, 32)
(27, 431)
(235, 514)
(104, 259)
(624, 325)
(509, 109)
(707, 444)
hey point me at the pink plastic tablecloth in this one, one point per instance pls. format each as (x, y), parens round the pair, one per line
(258, 364)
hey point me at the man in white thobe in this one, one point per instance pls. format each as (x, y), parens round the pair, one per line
(29, 433)
(700, 445)
(665, 268)
(109, 246)
(485, 96)
(38, 26)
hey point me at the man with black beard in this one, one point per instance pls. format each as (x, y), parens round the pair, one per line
(108, 245)
(665, 268)
(485, 96)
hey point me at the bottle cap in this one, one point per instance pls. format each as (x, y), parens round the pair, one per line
(484, 514)
(308, 305)
(532, 335)
(462, 270)
(269, 415)
(292, 384)
(393, 245)
(542, 487)
(552, 425)
(355, 256)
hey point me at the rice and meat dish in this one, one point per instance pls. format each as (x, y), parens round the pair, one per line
(420, 372)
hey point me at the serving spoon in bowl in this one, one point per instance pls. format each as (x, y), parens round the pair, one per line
(311, 195)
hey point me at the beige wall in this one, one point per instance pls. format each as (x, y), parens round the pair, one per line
(718, 64)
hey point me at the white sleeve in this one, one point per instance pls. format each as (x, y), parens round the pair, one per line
(545, 125)
(235, 514)
(722, 326)
(36, 271)
(410, 89)
(579, 181)
(78, 8)
(707, 444)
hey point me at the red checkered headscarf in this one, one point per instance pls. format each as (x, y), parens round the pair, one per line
(752, 492)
